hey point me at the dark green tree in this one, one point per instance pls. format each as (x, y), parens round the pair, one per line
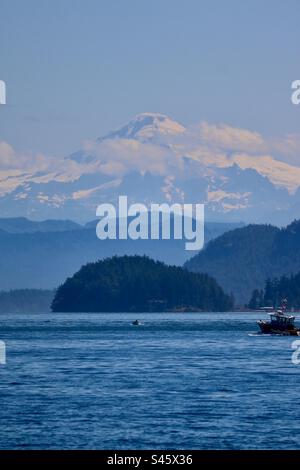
(137, 283)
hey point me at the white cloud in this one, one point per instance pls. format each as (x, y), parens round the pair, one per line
(212, 146)
(19, 168)
(117, 157)
(231, 138)
(222, 146)
(286, 148)
(10, 159)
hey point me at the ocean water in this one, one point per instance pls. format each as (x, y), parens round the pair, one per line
(178, 381)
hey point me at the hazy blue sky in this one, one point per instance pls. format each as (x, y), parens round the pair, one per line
(77, 68)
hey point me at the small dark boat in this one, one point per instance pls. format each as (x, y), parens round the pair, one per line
(281, 323)
(136, 323)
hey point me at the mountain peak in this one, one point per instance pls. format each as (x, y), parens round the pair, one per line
(147, 127)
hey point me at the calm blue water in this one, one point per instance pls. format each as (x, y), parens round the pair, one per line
(178, 381)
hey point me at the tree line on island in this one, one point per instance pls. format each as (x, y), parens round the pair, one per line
(242, 259)
(275, 290)
(200, 293)
(139, 284)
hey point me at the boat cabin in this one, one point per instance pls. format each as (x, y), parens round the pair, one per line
(282, 320)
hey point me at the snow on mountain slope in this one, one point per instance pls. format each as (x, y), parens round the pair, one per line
(155, 159)
(281, 174)
(148, 127)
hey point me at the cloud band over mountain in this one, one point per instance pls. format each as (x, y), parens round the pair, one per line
(152, 159)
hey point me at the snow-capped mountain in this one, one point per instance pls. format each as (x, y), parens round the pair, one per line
(148, 127)
(236, 173)
(154, 128)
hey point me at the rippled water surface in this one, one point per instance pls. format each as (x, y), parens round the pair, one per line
(198, 381)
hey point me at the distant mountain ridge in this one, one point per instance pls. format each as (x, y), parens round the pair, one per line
(34, 258)
(24, 225)
(241, 260)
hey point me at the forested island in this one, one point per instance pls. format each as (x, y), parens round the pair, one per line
(275, 290)
(138, 284)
